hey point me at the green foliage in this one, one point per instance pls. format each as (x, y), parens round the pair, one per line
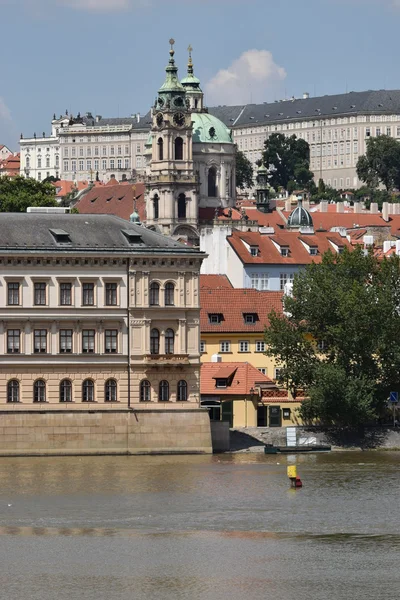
(351, 303)
(244, 170)
(288, 159)
(51, 179)
(329, 194)
(321, 186)
(18, 193)
(381, 163)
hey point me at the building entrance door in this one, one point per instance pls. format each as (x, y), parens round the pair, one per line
(275, 416)
(227, 412)
(262, 416)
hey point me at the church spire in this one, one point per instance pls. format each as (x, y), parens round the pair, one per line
(192, 85)
(171, 83)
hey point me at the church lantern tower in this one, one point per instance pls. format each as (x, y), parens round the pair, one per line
(191, 83)
(172, 188)
(262, 200)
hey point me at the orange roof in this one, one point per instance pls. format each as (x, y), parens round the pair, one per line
(215, 281)
(113, 200)
(65, 187)
(245, 378)
(298, 254)
(233, 304)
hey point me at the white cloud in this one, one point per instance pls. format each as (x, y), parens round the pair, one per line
(253, 77)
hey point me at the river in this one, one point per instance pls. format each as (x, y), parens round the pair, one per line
(200, 527)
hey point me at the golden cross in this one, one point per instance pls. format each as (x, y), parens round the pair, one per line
(190, 49)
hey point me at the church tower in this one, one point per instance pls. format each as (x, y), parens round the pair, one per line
(262, 198)
(194, 93)
(172, 186)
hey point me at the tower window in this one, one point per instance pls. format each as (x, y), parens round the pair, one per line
(156, 205)
(160, 144)
(179, 148)
(181, 206)
(212, 182)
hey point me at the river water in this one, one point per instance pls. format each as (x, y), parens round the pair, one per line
(200, 528)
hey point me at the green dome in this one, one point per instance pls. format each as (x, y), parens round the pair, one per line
(299, 217)
(209, 129)
(191, 81)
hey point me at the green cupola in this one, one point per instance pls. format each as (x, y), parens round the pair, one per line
(171, 91)
(191, 83)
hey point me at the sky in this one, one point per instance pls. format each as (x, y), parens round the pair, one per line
(108, 56)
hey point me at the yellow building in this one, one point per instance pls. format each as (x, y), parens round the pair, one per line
(232, 325)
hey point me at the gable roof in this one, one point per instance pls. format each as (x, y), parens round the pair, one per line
(232, 304)
(215, 282)
(245, 377)
(113, 200)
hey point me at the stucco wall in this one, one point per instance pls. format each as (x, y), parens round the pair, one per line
(118, 432)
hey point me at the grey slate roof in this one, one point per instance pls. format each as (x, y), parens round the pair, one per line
(144, 123)
(33, 232)
(352, 103)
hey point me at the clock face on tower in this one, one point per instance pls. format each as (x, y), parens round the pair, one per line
(179, 119)
(160, 120)
(160, 102)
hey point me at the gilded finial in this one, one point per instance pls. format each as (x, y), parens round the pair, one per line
(190, 50)
(172, 51)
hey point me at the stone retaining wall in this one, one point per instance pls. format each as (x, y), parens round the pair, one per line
(31, 433)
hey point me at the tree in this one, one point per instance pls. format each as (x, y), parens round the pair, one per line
(17, 193)
(288, 159)
(244, 170)
(381, 163)
(349, 306)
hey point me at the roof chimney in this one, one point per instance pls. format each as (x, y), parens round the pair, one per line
(385, 211)
(356, 208)
(98, 118)
(323, 206)
(138, 117)
(374, 208)
(306, 95)
(339, 207)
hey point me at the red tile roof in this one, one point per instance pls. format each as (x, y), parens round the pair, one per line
(244, 379)
(65, 187)
(269, 254)
(113, 200)
(233, 304)
(215, 281)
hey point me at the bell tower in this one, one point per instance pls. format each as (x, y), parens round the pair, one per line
(262, 201)
(191, 83)
(172, 187)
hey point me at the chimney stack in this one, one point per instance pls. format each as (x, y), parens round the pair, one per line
(306, 95)
(357, 208)
(385, 211)
(339, 207)
(288, 205)
(323, 206)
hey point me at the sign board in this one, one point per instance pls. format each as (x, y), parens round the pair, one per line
(291, 439)
(292, 471)
(394, 397)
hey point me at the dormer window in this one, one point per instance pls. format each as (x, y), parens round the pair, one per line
(313, 250)
(250, 318)
(285, 251)
(60, 236)
(254, 250)
(221, 383)
(214, 318)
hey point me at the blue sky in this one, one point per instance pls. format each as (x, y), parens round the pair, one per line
(108, 56)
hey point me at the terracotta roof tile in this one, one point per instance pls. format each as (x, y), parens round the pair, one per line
(113, 200)
(215, 281)
(233, 304)
(244, 379)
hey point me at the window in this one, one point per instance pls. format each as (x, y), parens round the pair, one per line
(65, 152)
(88, 294)
(243, 346)
(39, 163)
(47, 162)
(13, 293)
(214, 318)
(104, 164)
(112, 151)
(367, 132)
(378, 131)
(250, 318)
(181, 206)
(40, 293)
(65, 294)
(169, 294)
(81, 165)
(225, 346)
(111, 294)
(119, 163)
(65, 391)
(13, 390)
(145, 391)
(112, 163)
(212, 182)
(154, 294)
(259, 281)
(110, 391)
(169, 341)
(221, 383)
(111, 341)
(13, 341)
(65, 341)
(39, 391)
(104, 151)
(288, 277)
(263, 370)
(182, 391)
(57, 161)
(88, 338)
(286, 413)
(254, 250)
(260, 346)
(154, 341)
(88, 390)
(96, 151)
(66, 165)
(73, 166)
(277, 373)
(388, 131)
(88, 165)
(179, 148)
(80, 151)
(40, 341)
(203, 347)
(163, 392)
(126, 163)
(156, 207)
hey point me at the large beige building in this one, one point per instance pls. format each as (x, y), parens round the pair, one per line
(96, 312)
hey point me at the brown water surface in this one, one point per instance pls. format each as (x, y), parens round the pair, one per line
(200, 528)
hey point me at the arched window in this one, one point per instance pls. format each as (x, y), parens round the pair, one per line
(65, 391)
(163, 394)
(110, 391)
(182, 391)
(179, 148)
(154, 341)
(39, 391)
(154, 294)
(13, 390)
(160, 144)
(28, 162)
(169, 341)
(181, 206)
(145, 391)
(88, 390)
(156, 207)
(196, 103)
(212, 182)
(169, 293)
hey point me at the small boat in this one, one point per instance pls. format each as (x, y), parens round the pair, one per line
(270, 449)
